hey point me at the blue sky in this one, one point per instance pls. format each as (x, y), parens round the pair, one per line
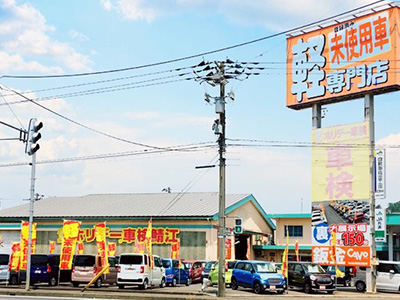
(66, 37)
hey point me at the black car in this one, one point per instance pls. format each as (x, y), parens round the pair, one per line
(310, 277)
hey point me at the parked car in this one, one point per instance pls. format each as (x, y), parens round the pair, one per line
(4, 265)
(259, 275)
(44, 268)
(213, 275)
(207, 268)
(86, 266)
(174, 273)
(134, 269)
(387, 277)
(356, 217)
(196, 269)
(345, 279)
(311, 277)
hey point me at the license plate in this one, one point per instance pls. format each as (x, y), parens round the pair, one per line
(130, 269)
(272, 287)
(322, 287)
(38, 271)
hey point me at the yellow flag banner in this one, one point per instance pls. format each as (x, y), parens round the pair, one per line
(112, 249)
(70, 237)
(296, 249)
(148, 242)
(81, 247)
(15, 256)
(175, 250)
(102, 250)
(52, 247)
(24, 243)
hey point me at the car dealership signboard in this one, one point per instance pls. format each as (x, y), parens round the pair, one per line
(344, 61)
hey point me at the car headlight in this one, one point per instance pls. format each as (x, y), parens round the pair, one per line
(333, 277)
(312, 277)
(202, 273)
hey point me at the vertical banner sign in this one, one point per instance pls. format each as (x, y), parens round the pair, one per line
(228, 248)
(80, 248)
(175, 250)
(343, 61)
(15, 256)
(102, 244)
(380, 174)
(70, 237)
(148, 242)
(139, 247)
(24, 243)
(340, 163)
(380, 225)
(112, 249)
(52, 247)
(296, 249)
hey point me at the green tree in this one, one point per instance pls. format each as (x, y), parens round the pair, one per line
(394, 207)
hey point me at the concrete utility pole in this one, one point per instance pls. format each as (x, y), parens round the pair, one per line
(369, 116)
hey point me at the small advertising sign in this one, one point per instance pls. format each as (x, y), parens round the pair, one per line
(380, 174)
(380, 225)
(345, 256)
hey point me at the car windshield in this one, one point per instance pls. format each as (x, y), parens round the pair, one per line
(265, 268)
(84, 260)
(187, 265)
(209, 265)
(131, 259)
(166, 264)
(314, 268)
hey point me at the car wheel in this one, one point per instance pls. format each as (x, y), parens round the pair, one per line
(234, 285)
(52, 281)
(257, 288)
(360, 286)
(173, 281)
(280, 292)
(188, 281)
(121, 286)
(330, 292)
(162, 284)
(145, 284)
(14, 280)
(307, 288)
(98, 283)
(75, 284)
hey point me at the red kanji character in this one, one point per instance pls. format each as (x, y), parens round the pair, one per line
(65, 257)
(351, 43)
(115, 235)
(158, 235)
(141, 234)
(68, 242)
(365, 38)
(90, 235)
(336, 48)
(380, 32)
(67, 250)
(171, 235)
(64, 265)
(128, 235)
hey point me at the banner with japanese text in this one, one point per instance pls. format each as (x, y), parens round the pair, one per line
(112, 249)
(148, 242)
(15, 256)
(101, 242)
(70, 238)
(52, 247)
(340, 163)
(175, 250)
(81, 248)
(345, 256)
(24, 243)
(343, 61)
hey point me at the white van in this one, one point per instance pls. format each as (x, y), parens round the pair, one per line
(387, 277)
(134, 269)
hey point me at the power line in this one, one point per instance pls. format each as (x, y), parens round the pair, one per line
(190, 56)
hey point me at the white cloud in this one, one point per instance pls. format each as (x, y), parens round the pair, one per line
(25, 33)
(16, 62)
(78, 35)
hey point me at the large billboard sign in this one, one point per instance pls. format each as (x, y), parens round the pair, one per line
(340, 163)
(344, 61)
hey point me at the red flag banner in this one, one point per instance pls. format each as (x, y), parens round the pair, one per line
(112, 249)
(296, 249)
(102, 250)
(70, 237)
(148, 242)
(81, 248)
(52, 247)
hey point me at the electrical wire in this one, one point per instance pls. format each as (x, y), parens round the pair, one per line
(8, 105)
(191, 56)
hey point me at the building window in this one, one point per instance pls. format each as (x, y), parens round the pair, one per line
(294, 230)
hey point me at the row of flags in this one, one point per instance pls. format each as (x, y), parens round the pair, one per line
(19, 255)
(296, 248)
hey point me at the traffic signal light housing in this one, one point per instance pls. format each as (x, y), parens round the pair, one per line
(33, 136)
(238, 226)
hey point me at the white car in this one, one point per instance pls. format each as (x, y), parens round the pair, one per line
(387, 277)
(134, 269)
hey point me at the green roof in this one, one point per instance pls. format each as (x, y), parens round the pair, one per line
(393, 219)
(290, 216)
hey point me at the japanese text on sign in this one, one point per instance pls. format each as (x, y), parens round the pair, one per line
(345, 256)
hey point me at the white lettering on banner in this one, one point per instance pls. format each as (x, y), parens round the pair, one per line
(321, 255)
(356, 254)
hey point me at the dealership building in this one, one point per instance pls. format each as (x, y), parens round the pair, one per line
(191, 218)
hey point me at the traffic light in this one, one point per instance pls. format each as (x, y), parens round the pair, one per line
(238, 226)
(33, 136)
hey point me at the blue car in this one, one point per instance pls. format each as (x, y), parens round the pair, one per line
(175, 274)
(259, 275)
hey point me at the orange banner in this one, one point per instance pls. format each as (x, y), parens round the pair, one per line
(15, 257)
(112, 249)
(148, 242)
(343, 61)
(101, 242)
(52, 247)
(345, 256)
(70, 237)
(81, 247)
(175, 250)
(24, 243)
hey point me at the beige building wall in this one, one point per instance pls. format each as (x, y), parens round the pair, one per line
(280, 238)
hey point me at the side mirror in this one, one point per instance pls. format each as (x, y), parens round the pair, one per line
(391, 272)
(252, 271)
